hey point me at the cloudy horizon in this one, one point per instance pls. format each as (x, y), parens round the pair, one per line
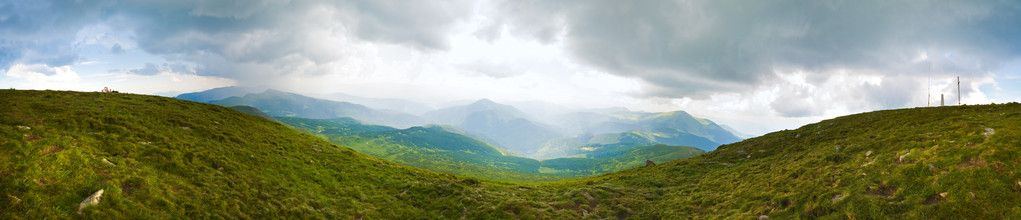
(756, 66)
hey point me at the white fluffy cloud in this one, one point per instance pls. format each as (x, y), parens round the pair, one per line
(42, 73)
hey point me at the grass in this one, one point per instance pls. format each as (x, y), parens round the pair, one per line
(181, 159)
(436, 149)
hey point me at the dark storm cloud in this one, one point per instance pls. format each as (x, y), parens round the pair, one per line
(41, 32)
(149, 69)
(697, 48)
(240, 32)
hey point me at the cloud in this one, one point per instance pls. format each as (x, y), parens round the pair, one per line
(42, 73)
(265, 33)
(699, 48)
(149, 69)
(116, 49)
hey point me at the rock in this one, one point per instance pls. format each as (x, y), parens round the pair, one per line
(24, 127)
(14, 198)
(901, 158)
(316, 149)
(107, 162)
(868, 163)
(90, 201)
(867, 153)
(649, 163)
(943, 194)
(989, 132)
(838, 148)
(185, 128)
(763, 217)
(837, 198)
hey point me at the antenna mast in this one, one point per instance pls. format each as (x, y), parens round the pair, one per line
(958, 90)
(928, 87)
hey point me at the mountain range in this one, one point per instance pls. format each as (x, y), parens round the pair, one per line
(284, 104)
(446, 149)
(501, 125)
(548, 131)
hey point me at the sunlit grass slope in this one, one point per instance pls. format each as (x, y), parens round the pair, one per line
(957, 162)
(171, 158)
(180, 159)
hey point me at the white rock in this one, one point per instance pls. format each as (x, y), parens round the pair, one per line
(91, 200)
(107, 162)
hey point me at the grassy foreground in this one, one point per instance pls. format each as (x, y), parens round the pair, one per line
(170, 158)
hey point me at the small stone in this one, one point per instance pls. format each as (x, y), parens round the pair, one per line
(989, 132)
(15, 198)
(90, 201)
(24, 127)
(943, 194)
(185, 128)
(901, 158)
(107, 162)
(868, 163)
(763, 217)
(838, 148)
(837, 198)
(867, 153)
(649, 163)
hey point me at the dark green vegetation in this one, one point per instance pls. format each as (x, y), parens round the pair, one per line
(277, 104)
(218, 93)
(438, 149)
(254, 111)
(934, 163)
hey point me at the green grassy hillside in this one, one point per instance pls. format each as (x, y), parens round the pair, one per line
(178, 159)
(172, 158)
(931, 163)
(436, 148)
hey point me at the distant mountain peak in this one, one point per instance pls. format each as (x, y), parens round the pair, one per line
(485, 102)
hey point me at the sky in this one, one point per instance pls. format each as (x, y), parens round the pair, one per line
(756, 66)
